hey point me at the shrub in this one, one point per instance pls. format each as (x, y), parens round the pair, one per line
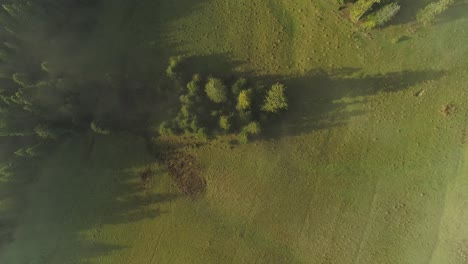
(430, 12)
(44, 132)
(275, 100)
(238, 86)
(182, 121)
(253, 128)
(22, 79)
(194, 124)
(224, 123)
(216, 90)
(361, 8)
(202, 134)
(5, 170)
(184, 99)
(171, 70)
(45, 66)
(214, 113)
(244, 100)
(28, 152)
(165, 129)
(382, 16)
(243, 138)
(184, 111)
(193, 86)
(98, 130)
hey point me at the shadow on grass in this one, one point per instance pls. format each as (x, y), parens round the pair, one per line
(319, 99)
(55, 208)
(59, 216)
(409, 10)
(459, 10)
(138, 104)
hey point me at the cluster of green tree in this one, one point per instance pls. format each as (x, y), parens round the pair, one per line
(429, 13)
(211, 106)
(372, 13)
(376, 13)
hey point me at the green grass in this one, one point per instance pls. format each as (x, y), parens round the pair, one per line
(360, 170)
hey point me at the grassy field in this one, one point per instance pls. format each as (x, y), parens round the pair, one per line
(368, 166)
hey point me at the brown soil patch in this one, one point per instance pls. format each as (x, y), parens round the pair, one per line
(448, 109)
(185, 171)
(145, 177)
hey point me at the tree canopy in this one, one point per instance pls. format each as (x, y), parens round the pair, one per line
(275, 100)
(216, 90)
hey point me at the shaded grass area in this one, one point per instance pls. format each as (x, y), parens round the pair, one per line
(321, 99)
(68, 193)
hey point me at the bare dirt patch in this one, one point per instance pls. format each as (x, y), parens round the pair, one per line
(185, 170)
(145, 177)
(183, 167)
(448, 109)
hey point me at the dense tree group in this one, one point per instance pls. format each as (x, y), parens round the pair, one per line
(376, 13)
(210, 106)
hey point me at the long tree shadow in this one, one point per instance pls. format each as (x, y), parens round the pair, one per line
(409, 10)
(459, 10)
(49, 202)
(316, 98)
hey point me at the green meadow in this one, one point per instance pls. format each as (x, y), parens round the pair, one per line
(369, 165)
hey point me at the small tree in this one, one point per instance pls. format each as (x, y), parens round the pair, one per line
(275, 100)
(243, 138)
(382, 16)
(202, 134)
(97, 129)
(238, 86)
(253, 128)
(165, 129)
(44, 132)
(224, 123)
(244, 100)
(430, 12)
(174, 63)
(216, 90)
(194, 86)
(361, 8)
